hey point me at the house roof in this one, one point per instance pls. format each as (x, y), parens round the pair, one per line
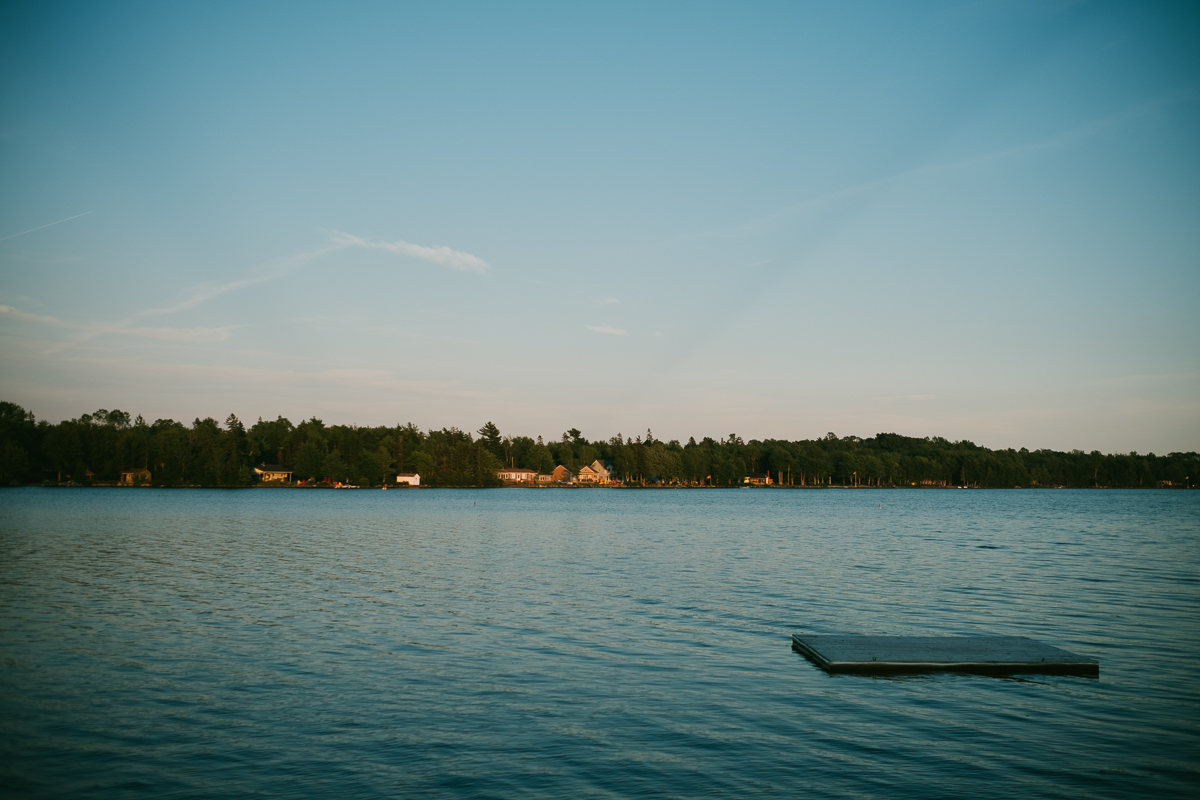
(272, 468)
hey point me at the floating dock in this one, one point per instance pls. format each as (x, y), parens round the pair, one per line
(987, 655)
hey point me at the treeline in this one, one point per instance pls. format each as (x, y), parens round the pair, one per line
(97, 448)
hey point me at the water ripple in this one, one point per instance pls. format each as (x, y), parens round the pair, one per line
(511, 643)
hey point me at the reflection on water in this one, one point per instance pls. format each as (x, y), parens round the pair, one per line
(525, 643)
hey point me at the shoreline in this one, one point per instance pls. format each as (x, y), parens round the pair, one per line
(541, 488)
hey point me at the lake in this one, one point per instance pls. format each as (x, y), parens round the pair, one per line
(514, 643)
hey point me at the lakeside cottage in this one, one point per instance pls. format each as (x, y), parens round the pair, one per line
(408, 479)
(560, 475)
(758, 480)
(597, 472)
(135, 476)
(515, 475)
(272, 473)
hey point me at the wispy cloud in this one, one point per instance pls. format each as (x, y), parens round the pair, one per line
(197, 295)
(13, 313)
(204, 292)
(608, 330)
(443, 256)
(1152, 105)
(47, 225)
(180, 334)
(92, 330)
(606, 301)
(204, 376)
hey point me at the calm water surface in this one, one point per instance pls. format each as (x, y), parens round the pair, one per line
(595, 643)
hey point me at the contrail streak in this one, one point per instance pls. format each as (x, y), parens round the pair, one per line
(47, 225)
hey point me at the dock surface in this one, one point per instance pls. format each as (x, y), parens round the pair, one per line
(989, 655)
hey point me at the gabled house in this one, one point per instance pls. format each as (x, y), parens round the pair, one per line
(408, 479)
(561, 474)
(596, 472)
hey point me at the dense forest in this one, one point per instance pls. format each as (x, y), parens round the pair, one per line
(96, 448)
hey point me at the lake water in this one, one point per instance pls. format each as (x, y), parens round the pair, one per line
(591, 643)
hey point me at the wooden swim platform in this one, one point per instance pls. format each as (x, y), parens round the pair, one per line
(987, 655)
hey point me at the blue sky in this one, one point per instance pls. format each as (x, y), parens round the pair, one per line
(970, 219)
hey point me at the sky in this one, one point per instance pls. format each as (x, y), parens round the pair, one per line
(976, 220)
